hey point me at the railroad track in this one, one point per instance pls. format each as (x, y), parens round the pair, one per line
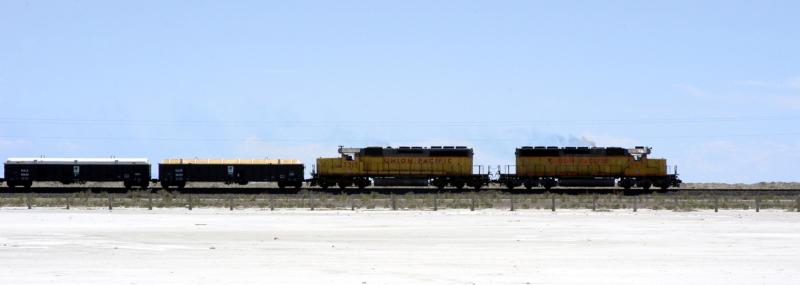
(402, 190)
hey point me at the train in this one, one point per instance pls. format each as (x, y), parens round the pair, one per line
(406, 166)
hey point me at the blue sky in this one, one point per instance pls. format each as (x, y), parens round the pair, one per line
(713, 86)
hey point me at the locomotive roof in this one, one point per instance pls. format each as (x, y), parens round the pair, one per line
(559, 151)
(416, 151)
(77, 160)
(229, 161)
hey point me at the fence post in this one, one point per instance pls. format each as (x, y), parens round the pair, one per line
(68, 202)
(472, 203)
(28, 201)
(635, 204)
(716, 204)
(594, 202)
(150, 201)
(190, 202)
(676, 202)
(798, 204)
(758, 204)
(271, 203)
(436, 201)
(512, 202)
(110, 202)
(311, 199)
(394, 201)
(230, 202)
(553, 203)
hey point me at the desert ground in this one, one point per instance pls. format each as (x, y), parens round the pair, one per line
(491, 246)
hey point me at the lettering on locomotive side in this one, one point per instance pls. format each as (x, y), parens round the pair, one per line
(417, 160)
(577, 161)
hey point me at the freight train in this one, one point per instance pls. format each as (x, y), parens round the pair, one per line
(437, 166)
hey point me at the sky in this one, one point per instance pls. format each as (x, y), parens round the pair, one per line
(712, 86)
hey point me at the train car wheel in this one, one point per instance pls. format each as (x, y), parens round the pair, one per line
(127, 185)
(11, 185)
(29, 184)
(298, 185)
(342, 185)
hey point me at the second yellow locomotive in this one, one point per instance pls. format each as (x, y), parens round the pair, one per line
(439, 166)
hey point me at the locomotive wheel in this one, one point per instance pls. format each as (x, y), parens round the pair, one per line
(528, 185)
(342, 185)
(477, 186)
(646, 184)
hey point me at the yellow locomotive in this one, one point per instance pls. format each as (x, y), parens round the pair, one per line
(439, 166)
(584, 166)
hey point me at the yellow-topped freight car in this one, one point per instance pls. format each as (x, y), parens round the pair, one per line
(403, 166)
(585, 166)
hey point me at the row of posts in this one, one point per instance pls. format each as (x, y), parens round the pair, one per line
(393, 199)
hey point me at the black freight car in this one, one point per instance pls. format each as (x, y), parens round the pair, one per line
(24, 171)
(176, 172)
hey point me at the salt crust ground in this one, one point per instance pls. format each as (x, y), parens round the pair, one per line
(216, 246)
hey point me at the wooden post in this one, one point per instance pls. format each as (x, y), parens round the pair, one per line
(635, 204)
(28, 201)
(798, 204)
(230, 202)
(594, 203)
(472, 203)
(436, 201)
(352, 203)
(311, 199)
(758, 204)
(110, 202)
(512, 202)
(553, 203)
(716, 204)
(150, 201)
(271, 203)
(68, 202)
(190, 202)
(394, 202)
